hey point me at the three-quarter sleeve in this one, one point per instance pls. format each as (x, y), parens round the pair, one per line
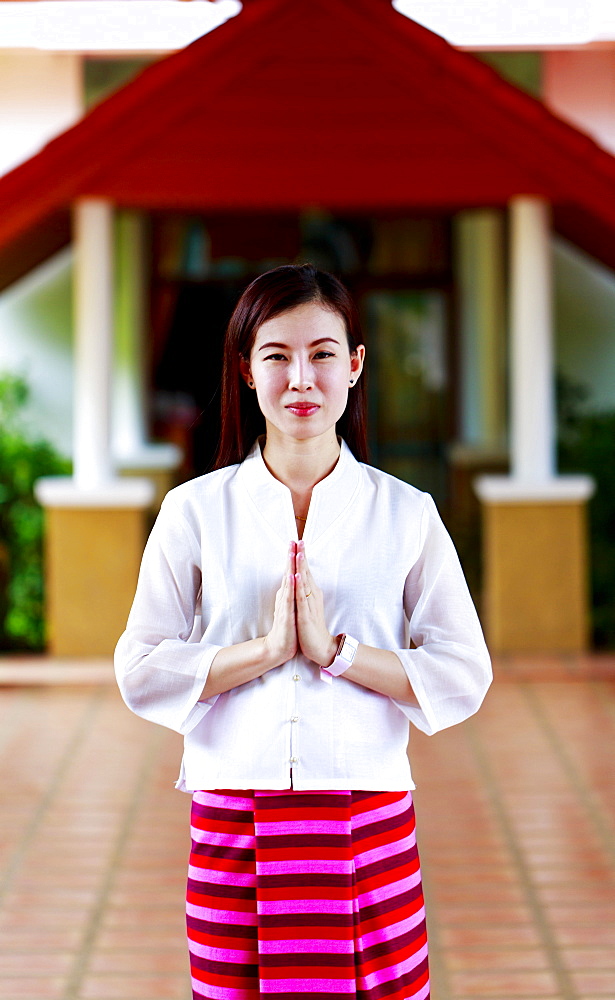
(161, 667)
(450, 670)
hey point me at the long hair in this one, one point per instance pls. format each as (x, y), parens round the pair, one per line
(269, 295)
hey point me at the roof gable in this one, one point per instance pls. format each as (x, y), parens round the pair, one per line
(341, 103)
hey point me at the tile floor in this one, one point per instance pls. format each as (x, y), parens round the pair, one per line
(516, 819)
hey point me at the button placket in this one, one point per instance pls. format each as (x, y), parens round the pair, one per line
(294, 719)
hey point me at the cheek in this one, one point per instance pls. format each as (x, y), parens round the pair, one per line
(268, 384)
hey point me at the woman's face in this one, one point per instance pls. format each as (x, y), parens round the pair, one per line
(301, 369)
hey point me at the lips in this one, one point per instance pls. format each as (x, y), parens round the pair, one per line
(303, 409)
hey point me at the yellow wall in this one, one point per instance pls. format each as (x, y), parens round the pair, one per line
(535, 576)
(92, 563)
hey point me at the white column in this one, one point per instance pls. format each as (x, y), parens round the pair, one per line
(532, 393)
(532, 425)
(93, 303)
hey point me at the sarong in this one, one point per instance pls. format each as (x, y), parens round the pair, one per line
(314, 894)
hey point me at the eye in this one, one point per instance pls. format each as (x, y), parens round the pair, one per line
(275, 357)
(324, 354)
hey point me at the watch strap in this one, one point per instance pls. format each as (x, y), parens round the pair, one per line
(346, 652)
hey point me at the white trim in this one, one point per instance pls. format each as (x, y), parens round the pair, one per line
(532, 391)
(62, 491)
(560, 489)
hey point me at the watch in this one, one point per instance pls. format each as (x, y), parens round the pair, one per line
(346, 652)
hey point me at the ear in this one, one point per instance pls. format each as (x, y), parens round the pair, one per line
(244, 370)
(357, 359)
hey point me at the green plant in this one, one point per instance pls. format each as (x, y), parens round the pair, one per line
(587, 444)
(23, 460)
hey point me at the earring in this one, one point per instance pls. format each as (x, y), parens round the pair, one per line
(352, 381)
(251, 384)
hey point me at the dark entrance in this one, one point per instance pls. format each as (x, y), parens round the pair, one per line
(399, 271)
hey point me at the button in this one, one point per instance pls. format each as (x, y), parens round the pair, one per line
(295, 718)
(294, 760)
(296, 677)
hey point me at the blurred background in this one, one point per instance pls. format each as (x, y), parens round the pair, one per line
(454, 166)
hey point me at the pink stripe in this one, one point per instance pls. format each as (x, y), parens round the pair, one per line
(275, 906)
(312, 946)
(238, 917)
(218, 801)
(218, 992)
(245, 841)
(297, 986)
(388, 891)
(392, 971)
(385, 851)
(381, 813)
(221, 877)
(423, 994)
(393, 930)
(241, 956)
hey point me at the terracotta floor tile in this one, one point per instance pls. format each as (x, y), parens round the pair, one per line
(138, 939)
(133, 988)
(36, 963)
(484, 915)
(571, 935)
(16, 917)
(153, 916)
(500, 959)
(496, 936)
(25, 987)
(575, 915)
(152, 962)
(492, 984)
(597, 959)
(595, 981)
(42, 939)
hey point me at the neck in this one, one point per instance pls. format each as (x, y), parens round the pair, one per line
(301, 464)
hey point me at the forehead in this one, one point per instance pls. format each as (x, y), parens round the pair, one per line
(304, 323)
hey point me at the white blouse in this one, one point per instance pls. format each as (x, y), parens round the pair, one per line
(389, 573)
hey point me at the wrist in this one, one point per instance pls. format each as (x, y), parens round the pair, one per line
(269, 657)
(330, 652)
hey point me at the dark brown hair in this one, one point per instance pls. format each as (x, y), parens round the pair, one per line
(269, 295)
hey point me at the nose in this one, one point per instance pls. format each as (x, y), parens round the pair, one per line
(300, 376)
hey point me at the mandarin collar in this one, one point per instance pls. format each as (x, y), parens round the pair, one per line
(273, 499)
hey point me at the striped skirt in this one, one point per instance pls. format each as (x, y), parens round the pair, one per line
(306, 893)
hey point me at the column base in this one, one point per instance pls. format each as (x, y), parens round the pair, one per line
(535, 564)
(93, 548)
(157, 462)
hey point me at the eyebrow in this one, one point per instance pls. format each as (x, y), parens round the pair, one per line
(315, 343)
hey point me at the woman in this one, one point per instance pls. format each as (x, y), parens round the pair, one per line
(295, 608)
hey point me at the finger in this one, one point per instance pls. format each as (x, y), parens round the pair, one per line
(303, 597)
(304, 570)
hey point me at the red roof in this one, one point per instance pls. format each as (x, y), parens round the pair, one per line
(344, 104)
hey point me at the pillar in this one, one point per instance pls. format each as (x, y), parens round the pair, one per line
(93, 306)
(535, 564)
(95, 523)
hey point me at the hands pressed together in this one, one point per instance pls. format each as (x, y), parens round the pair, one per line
(299, 619)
